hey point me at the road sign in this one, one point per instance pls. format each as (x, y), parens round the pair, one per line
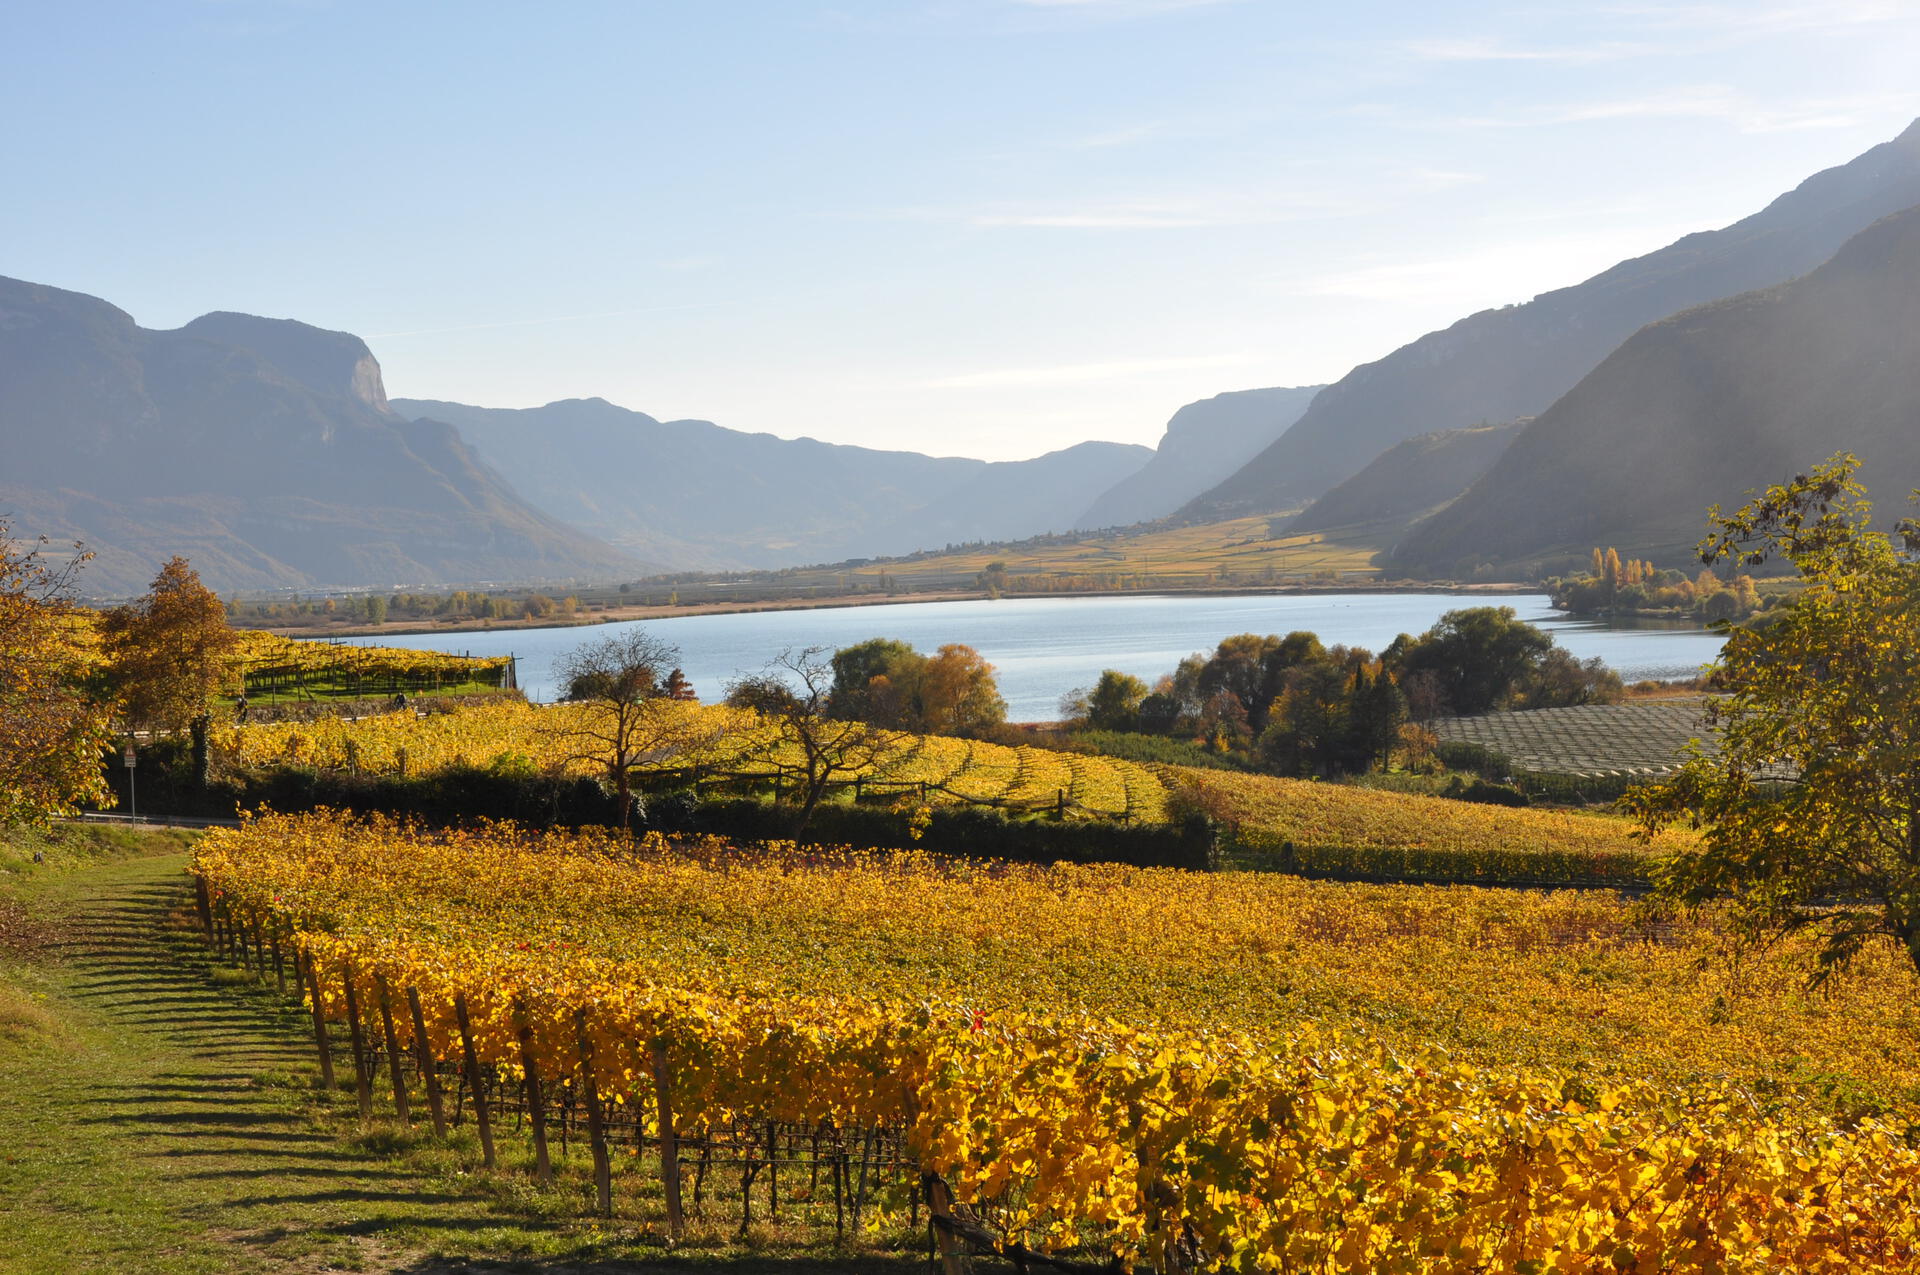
(129, 758)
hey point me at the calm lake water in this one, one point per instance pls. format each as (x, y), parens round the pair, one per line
(1046, 647)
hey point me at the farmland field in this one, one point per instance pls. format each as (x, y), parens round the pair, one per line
(1590, 740)
(1116, 1058)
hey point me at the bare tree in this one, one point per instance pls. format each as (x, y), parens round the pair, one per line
(626, 715)
(791, 692)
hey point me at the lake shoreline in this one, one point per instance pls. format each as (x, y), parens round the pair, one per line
(625, 615)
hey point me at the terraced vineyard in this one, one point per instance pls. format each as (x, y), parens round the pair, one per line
(738, 744)
(1591, 740)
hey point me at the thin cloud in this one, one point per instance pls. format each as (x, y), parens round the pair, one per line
(1083, 373)
(1758, 20)
(1708, 102)
(1484, 50)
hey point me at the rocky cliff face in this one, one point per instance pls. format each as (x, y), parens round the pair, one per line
(262, 449)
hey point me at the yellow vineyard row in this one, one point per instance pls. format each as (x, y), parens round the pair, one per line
(1181, 1137)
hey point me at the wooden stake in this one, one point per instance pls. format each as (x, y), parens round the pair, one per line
(423, 1059)
(953, 1260)
(773, 1172)
(361, 1086)
(320, 1029)
(596, 1126)
(400, 1105)
(204, 902)
(472, 1061)
(536, 1109)
(669, 1141)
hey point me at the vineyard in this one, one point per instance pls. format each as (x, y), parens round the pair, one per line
(1588, 740)
(738, 745)
(1188, 1071)
(272, 666)
(1344, 831)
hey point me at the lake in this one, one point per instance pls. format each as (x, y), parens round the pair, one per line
(1046, 647)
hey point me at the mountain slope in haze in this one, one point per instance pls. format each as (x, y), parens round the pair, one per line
(702, 497)
(1411, 478)
(1205, 443)
(1704, 407)
(1500, 365)
(260, 449)
(1015, 499)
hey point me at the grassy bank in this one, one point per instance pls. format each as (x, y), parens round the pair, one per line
(162, 1115)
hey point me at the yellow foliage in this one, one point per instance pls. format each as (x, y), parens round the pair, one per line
(1150, 1056)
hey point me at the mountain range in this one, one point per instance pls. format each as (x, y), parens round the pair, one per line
(1701, 408)
(1500, 365)
(267, 451)
(701, 497)
(262, 450)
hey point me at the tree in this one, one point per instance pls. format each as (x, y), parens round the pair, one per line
(885, 682)
(1112, 704)
(876, 681)
(1559, 679)
(51, 730)
(959, 694)
(792, 694)
(1476, 657)
(376, 609)
(1810, 809)
(627, 716)
(169, 653)
(1253, 670)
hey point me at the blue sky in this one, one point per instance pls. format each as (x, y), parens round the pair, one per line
(974, 227)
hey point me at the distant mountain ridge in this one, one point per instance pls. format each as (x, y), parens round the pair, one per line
(699, 496)
(261, 449)
(1704, 407)
(1204, 443)
(1411, 478)
(1504, 364)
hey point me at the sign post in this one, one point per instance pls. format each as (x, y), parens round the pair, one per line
(131, 759)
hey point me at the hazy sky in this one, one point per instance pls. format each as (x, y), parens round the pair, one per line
(976, 227)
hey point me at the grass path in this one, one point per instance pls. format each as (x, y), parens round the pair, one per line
(158, 1113)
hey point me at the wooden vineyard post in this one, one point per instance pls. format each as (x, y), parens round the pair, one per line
(536, 1108)
(773, 1172)
(669, 1140)
(940, 1221)
(279, 963)
(400, 1105)
(320, 1026)
(472, 1061)
(204, 902)
(361, 1087)
(596, 1125)
(423, 1058)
